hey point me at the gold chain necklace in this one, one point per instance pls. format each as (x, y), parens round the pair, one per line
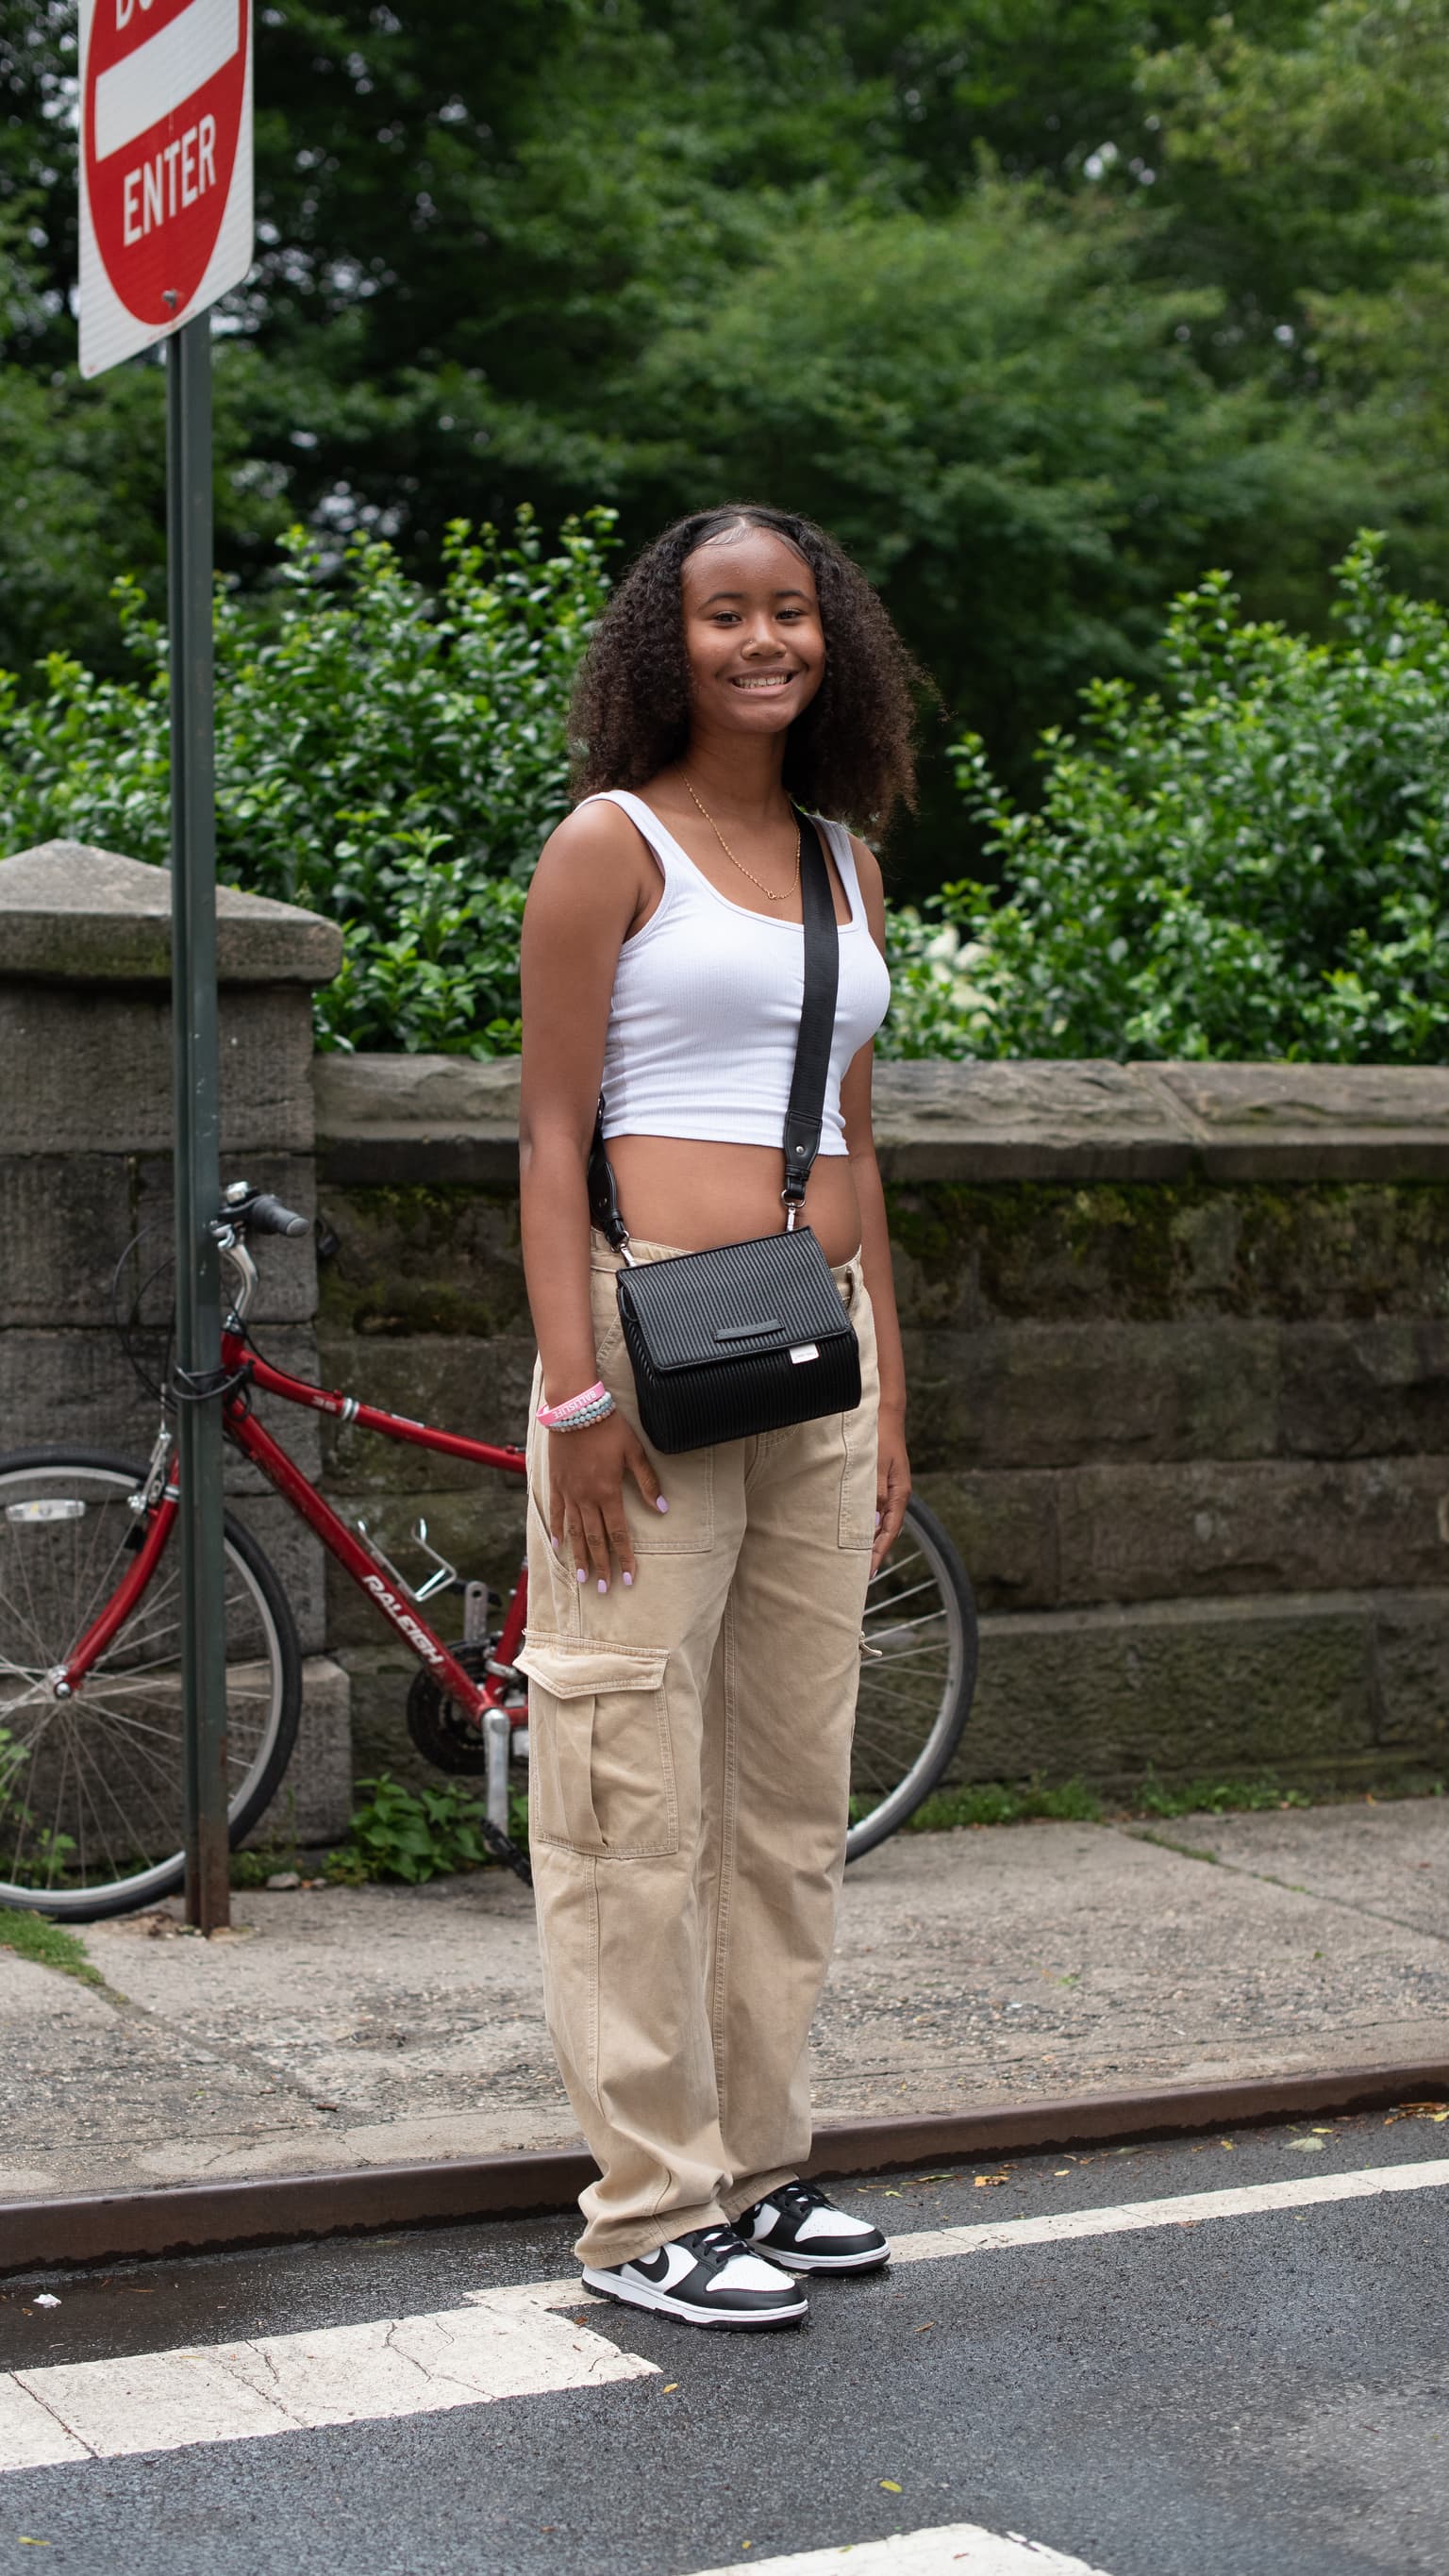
(765, 890)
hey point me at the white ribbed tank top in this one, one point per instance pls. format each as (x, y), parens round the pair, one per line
(706, 1006)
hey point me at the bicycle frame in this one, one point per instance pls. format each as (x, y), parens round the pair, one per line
(474, 1697)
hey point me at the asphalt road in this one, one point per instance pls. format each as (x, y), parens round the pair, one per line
(1256, 2395)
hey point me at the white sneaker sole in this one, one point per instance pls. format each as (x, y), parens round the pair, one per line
(872, 2261)
(638, 2294)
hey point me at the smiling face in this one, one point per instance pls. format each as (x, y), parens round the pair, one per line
(752, 632)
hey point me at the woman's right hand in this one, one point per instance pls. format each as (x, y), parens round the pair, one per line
(586, 1471)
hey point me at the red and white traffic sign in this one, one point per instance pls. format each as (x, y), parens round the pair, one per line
(166, 167)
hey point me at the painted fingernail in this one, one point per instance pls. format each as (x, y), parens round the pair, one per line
(877, 1520)
(603, 1587)
(583, 1576)
(553, 1543)
(628, 1578)
(661, 1505)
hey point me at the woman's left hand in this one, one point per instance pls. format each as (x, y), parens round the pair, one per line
(892, 1485)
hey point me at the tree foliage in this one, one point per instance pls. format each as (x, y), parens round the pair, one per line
(1044, 305)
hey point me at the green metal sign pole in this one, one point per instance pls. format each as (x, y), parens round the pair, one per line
(197, 1116)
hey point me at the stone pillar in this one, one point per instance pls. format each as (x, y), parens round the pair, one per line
(85, 1165)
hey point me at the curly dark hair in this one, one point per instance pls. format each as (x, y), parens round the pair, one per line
(850, 754)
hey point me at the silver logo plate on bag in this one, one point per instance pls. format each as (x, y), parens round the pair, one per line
(806, 1351)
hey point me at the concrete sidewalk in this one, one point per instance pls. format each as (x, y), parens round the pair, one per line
(344, 2027)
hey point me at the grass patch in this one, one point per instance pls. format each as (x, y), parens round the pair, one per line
(992, 1802)
(31, 1936)
(999, 1802)
(1214, 1798)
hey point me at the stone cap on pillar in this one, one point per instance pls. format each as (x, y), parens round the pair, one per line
(73, 915)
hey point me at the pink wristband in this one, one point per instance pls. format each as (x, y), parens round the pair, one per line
(552, 1414)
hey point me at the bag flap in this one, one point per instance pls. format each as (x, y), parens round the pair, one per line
(774, 1293)
(572, 1671)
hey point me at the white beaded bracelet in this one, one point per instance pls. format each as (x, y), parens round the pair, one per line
(577, 1411)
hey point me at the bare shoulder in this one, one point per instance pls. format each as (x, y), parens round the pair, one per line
(867, 867)
(872, 885)
(596, 838)
(592, 870)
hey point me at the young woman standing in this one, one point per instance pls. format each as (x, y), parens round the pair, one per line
(693, 1644)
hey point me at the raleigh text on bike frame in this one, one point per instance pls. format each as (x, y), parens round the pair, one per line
(161, 1496)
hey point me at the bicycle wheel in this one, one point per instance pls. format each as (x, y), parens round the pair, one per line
(916, 1685)
(91, 1801)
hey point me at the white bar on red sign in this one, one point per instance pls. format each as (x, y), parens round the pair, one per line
(165, 72)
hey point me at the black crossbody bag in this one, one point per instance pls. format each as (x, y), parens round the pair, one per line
(748, 1337)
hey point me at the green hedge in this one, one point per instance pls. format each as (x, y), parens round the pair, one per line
(387, 757)
(1250, 862)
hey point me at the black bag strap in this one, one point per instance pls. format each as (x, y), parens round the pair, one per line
(817, 1016)
(805, 1114)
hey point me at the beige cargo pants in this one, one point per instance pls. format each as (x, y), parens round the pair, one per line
(688, 1783)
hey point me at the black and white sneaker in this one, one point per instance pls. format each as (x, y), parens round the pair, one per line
(798, 2225)
(707, 2277)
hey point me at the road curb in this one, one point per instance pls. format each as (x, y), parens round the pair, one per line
(270, 2209)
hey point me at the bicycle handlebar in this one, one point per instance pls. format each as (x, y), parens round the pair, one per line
(267, 1215)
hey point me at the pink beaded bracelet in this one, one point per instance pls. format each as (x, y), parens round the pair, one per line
(594, 1403)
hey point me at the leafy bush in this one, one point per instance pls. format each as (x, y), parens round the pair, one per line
(412, 1835)
(1250, 863)
(387, 758)
(937, 1006)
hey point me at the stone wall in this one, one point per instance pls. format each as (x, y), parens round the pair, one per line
(1177, 1339)
(85, 1165)
(1178, 1348)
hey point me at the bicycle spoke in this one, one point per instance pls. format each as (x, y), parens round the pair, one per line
(882, 1702)
(80, 1826)
(149, 1632)
(894, 1566)
(896, 1727)
(887, 1652)
(135, 1676)
(35, 1690)
(100, 1584)
(881, 1689)
(894, 1738)
(918, 1618)
(169, 1823)
(66, 1759)
(104, 1837)
(135, 1727)
(8, 1602)
(885, 1608)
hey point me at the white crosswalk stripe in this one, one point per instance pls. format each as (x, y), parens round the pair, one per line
(951, 2549)
(514, 2343)
(504, 2343)
(1185, 2209)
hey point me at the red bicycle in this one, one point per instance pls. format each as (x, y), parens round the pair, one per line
(90, 1671)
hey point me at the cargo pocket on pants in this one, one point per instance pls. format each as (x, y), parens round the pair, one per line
(600, 1763)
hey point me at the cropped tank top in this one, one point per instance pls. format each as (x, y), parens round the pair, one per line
(706, 1006)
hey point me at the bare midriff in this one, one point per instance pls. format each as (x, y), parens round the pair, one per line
(680, 1191)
